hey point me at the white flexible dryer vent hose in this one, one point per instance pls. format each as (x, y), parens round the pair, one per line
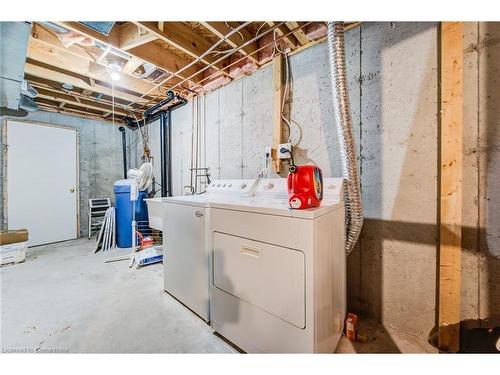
(343, 122)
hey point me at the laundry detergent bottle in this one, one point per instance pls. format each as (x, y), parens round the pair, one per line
(305, 186)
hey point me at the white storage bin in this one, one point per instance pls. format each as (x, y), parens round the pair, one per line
(13, 253)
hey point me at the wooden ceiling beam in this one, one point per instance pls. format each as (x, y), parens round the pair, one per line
(69, 99)
(79, 82)
(56, 88)
(131, 66)
(133, 36)
(283, 30)
(46, 104)
(63, 60)
(299, 33)
(236, 40)
(151, 52)
(183, 38)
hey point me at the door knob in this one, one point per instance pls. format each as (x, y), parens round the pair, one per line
(72, 190)
(198, 214)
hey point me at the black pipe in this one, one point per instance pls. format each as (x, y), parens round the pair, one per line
(165, 153)
(160, 104)
(165, 117)
(124, 149)
(150, 117)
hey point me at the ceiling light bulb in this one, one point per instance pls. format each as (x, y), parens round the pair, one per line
(115, 76)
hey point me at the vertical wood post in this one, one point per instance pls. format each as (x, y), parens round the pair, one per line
(277, 101)
(450, 238)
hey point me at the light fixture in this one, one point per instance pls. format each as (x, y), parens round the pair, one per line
(114, 69)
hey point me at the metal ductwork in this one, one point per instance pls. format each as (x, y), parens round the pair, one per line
(14, 38)
(345, 135)
(28, 104)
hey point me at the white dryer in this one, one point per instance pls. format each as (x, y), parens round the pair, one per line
(279, 275)
(186, 253)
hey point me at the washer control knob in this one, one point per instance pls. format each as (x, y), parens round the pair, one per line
(269, 186)
(243, 185)
(230, 185)
(218, 185)
(224, 185)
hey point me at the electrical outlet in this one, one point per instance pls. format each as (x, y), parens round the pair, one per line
(287, 149)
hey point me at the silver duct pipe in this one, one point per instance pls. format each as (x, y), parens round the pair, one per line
(343, 121)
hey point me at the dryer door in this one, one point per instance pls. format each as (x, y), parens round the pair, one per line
(269, 277)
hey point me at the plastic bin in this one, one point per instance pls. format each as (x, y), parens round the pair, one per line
(123, 207)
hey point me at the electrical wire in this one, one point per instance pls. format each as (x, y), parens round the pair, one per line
(237, 31)
(286, 92)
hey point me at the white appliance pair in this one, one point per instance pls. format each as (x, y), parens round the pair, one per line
(269, 279)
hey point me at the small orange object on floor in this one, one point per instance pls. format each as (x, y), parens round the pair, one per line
(351, 324)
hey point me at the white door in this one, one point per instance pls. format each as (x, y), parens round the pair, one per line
(42, 193)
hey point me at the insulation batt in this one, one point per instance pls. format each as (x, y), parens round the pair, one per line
(266, 54)
(216, 80)
(315, 31)
(243, 67)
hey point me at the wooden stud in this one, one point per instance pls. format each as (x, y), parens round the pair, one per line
(450, 241)
(277, 114)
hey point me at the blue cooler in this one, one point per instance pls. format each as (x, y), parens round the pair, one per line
(123, 207)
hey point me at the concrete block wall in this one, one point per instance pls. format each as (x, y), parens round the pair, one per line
(393, 78)
(100, 157)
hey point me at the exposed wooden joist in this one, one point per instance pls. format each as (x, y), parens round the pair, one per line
(182, 38)
(48, 38)
(450, 240)
(83, 103)
(166, 60)
(52, 75)
(236, 40)
(277, 114)
(64, 60)
(299, 33)
(133, 36)
(56, 88)
(289, 38)
(151, 52)
(113, 38)
(131, 65)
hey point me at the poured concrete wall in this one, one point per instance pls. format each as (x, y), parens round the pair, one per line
(100, 156)
(393, 78)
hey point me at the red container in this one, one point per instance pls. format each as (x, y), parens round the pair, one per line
(305, 187)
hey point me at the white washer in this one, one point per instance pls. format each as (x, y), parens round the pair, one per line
(184, 221)
(279, 275)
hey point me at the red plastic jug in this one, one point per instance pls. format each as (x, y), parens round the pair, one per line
(305, 186)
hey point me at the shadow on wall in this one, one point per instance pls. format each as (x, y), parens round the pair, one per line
(389, 280)
(392, 272)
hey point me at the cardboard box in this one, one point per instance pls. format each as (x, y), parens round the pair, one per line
(13, 236)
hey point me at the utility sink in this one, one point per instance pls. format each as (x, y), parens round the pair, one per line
(155, 213)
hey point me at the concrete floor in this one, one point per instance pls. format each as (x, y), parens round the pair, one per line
(62, 299)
